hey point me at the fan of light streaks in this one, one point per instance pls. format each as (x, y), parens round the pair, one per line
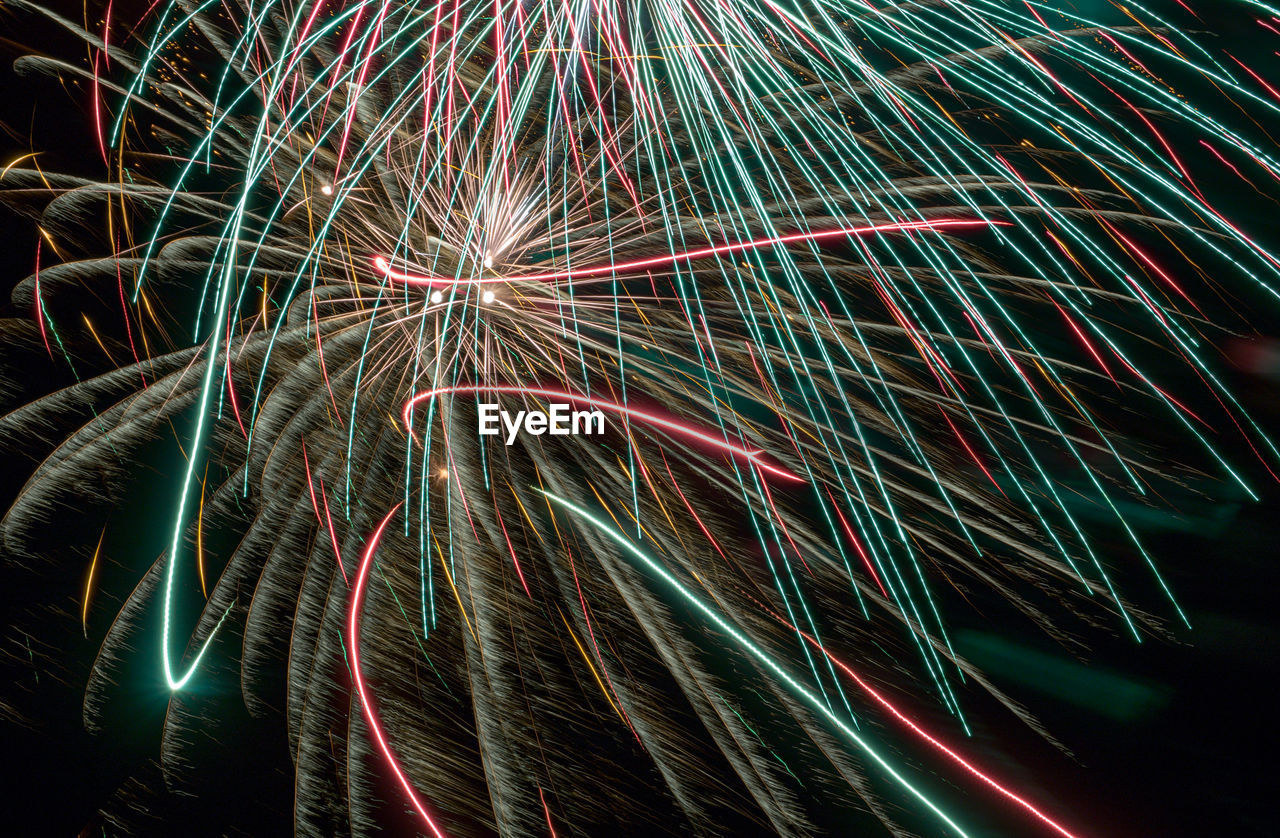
(861, 286)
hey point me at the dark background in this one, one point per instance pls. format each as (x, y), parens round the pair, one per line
(1175, 738)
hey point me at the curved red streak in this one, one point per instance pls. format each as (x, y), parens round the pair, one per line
(919, 731)
(923, 734)
(752, 456)
(383, 266)
(366, 703)
(366, 562)
(371, 717)
(550, 825)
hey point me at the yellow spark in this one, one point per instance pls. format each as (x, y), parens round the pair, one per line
(591, 666)
(200, 536)
(88, 585)
(94, 332)
(454, 588)
(16, 162)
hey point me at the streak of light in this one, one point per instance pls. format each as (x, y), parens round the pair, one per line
(383, 266)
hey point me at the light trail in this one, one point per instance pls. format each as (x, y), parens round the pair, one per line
(383, 266)
(366, 699)
(754, 456)
(756, 652)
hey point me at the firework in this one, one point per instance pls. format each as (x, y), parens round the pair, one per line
(861, 289)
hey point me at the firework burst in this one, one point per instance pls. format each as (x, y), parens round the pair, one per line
(859, 288)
